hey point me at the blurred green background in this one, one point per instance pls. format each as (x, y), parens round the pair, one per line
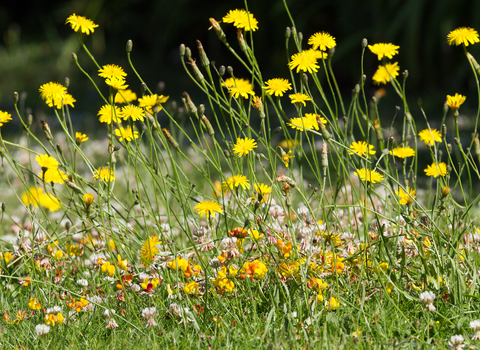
(36, 46)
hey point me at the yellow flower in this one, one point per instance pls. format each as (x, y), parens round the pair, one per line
(322, 40)
(109, 113)
(277, 86)
(239, 87)
(178, 264)
(235, 181)
(112, 71)
(52, 92)
(59, 103)
(104, 173)
(7, 257)
(123, 264)
(333, 304)
(429, 136)
(263, 191)
(5, 117)
(150, 101)
(403, 152)
(149, 250)
(243, 146)
(83, 23)
(37, 197)
(254, 269)
(46, 162)
(299, 98)
(53, 175)
(309, 122)
(436, 170)
(255, 235)
(383, 73)
(286, 158)
(125, 96)
(52, 319)
(305, 61)
(241, 19)
(406, 197)
(390, 287)
(34, 305)
(362, 149)
(116, 83)
(108, 268)
(134, 112)
(463, 35)
(191, 288)
(368, 175)
(126, 133)
(454, 102)
(79, 137)
(208, 208)
(384, 50)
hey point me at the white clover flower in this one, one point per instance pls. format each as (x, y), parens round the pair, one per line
(214, 263)
(428, 298)
(475, 326)
(135, 287)
(302, 212)
(41, 329)
(108, 313)
(456, 342)
(54, 310)
(149, 313)
(82, 282)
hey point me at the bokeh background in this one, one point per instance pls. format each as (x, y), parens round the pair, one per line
(36, 46)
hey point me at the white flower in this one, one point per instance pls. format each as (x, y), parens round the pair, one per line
(149, 313)
(302, 212)
(41, 329)
(108, 313)
(54, 310)
(428, 298)
(456, 342)
(112, 324)
(214, 263)
(135, 287)
(475, 326)
(83, 282)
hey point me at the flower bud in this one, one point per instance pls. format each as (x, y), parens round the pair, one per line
(181, 50)
(29, 120)
(325, 155)
(405, 74)
(203, 56)
(15, 98)
(300, 36)
(364, 43)
(74, 57)
(445, 191)
(444, 131)
(208, 126)
(277, 130)
(170, 139)
(46, 130)
(305, 78)
(196, 71)
(227, 154)
(218, 29)
(288, 32)
(474, 62)
(143, 88)
(188, 53)
(241, 41)
(325, 134)
(129, 46)
(230, 70)
(408, 116)
(331, 52)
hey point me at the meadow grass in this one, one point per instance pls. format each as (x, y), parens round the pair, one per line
(272, 215)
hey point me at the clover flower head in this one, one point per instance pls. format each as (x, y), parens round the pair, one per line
(428, 298)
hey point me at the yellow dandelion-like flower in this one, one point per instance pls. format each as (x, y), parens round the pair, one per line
(79, 137)
(36, 197)
(277, 86)
(429, 136)
(149, 250)
(53, 175)
(208, 208)
(81, 23)
(126, 134)
(59, 103)
(299, 98)
(463, 35)
(241, 19)
(46, 162)
(150, 101)
(112, 71)
(116, 83)
(286, 158)
(436, 170)
(368, 175)
(125, 96)
(109, 113)
(243, 146)
(52, 92)
(406, 197)
(239, 87)
(88, 199)
(384, 73)
(322, 40)
(304, 61)
(384, 50)
(454, 102)
(236, 181)
(133, 112)
(309, 122)
(362, 149)
(5, 117)
(403, 152)
(104, 173)
(263, 191)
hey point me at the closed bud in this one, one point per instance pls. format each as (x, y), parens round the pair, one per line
(74, 57)
(331, 52)
(208, 126)
(449, 147)
(59, 149)
(15, 98)
(476, 145)
(181, 50)
(277, 130)
(241, 40)
(68, 225)
(457, 142)
(3, 206)
(288, 32)
(67, 82)
(170, 139)
(191, 106)
(155, 167)
(221, 71)
(474, 62)
(201, 110)
(143, 88)
(129, 46)
(405, 74)
(226, 152)
(218, 29)
(196, 71)
(29, 120)
(46, 130)
(325, 155)
(444, 131)
(188, 53)
(445, 191)
(445, 108)
(356, 89)
(203, 56)
(300, 36)
(304, 78)
(230, 70)
(71, 184)
(408, 116)
(325, 134)
(364, 43)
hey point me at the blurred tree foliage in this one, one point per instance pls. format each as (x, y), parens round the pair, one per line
(36, 44)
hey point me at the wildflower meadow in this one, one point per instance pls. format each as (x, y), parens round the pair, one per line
(276, 213)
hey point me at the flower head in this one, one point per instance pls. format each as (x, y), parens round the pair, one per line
(244, 146)
(436, 170)
(241, 19)
(4, 117)
(456, 342)
(133, 112)
(116, 83)
(127, 134)
(406, 197)
(104, 173)
(239, 87)
(88, 199)
(109, 113)
(208, 208)
(463, 35)
(384, 73)
(149, 250)
(475, 326)
(429, 136)
(36, 197)
(299, 98)
(304, 61)
(362, 149)
(53, 93)
(322, 40)
(53, 175)
(79, 22)
(235, 181)
(309, 122)
(384, 50)
(454, 102)
(368, 175)
(41, 329)
(125, 96)
(277, 86)
(403, 152)
(263, 191)
(286, 158)
(79, 137)
(112, 71)
(46, 162)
